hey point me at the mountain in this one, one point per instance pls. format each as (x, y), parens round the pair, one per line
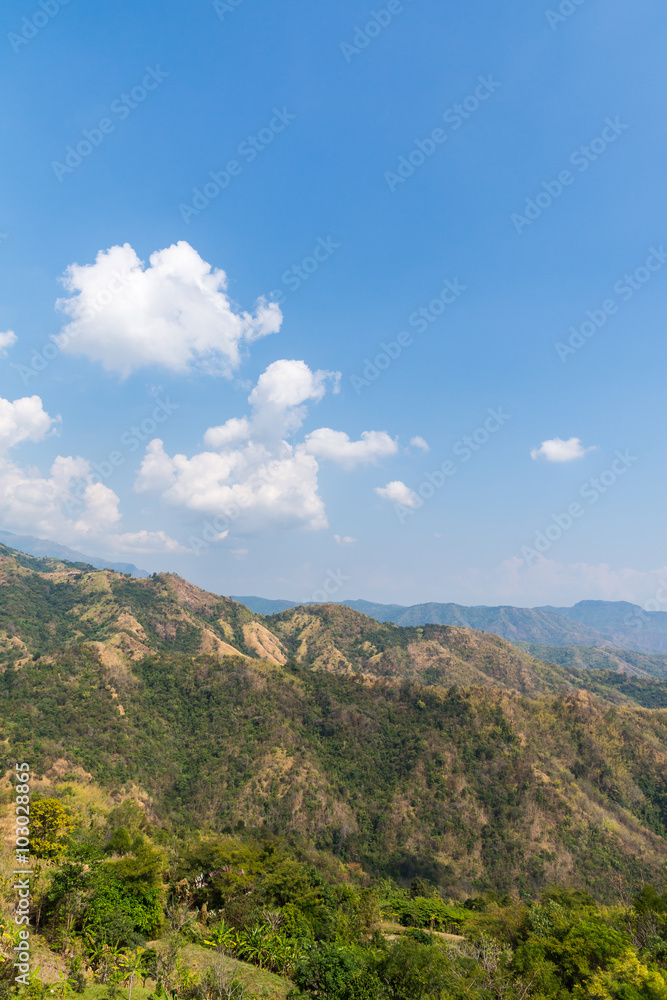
(623, 661)
(625, 625)
(434, 751)
(588, 623)
(265, 606)
(43, 548)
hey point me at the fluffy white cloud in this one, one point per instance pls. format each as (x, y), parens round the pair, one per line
(65, 505)
(277, 399)
(7, 340)
(557, 450)
(174, 314)
(252, 477)
(251, 488)
(337, 446)
(233, 431)
(24, 420)
(157, 471)
(286, 383)
(69, 505)
(344, 540)
(418, 442)
(398, 492)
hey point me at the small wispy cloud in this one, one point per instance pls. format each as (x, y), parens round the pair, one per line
(557, 450)
(398, 492)
(7, 340)
(344, 540)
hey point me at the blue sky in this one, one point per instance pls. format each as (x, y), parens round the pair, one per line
(499, 168)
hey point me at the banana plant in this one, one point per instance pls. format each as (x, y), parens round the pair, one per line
(223, 937)
(253, 944)
(63, 988)
(130, 964)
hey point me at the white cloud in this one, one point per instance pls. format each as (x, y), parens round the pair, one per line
(24, 420)
(146, 542)
(288, 383)
(344, 540)
(418, 442)
(7, 340)
(174, 314)
(252, 488)
(337, 446)
(557, 450)
(233, 431)
(252, 477)
(277, 399)
(65, 505)
(398, 492)
(158, 471)
(69, 504)
(70, 507)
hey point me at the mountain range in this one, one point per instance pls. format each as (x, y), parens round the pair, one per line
(435, 751)
(589, 623)
(44, 548)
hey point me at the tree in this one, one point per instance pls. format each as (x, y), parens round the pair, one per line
(324, 972)
(50, 826)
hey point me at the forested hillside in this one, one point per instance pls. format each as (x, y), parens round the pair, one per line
(433, 751)
(318, 804)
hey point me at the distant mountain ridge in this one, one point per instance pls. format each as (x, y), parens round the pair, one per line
(430, 751)
(618, 624)
(43, 548)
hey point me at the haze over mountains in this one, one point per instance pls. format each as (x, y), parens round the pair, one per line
(44, 548)
(589, 623)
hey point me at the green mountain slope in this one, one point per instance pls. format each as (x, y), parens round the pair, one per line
(588, 623)
(436, 751)
(587, 658)
(45, 549)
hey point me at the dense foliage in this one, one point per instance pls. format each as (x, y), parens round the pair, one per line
(364, 811)
(122, 905)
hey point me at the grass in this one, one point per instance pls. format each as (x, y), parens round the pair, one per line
(261, 985)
